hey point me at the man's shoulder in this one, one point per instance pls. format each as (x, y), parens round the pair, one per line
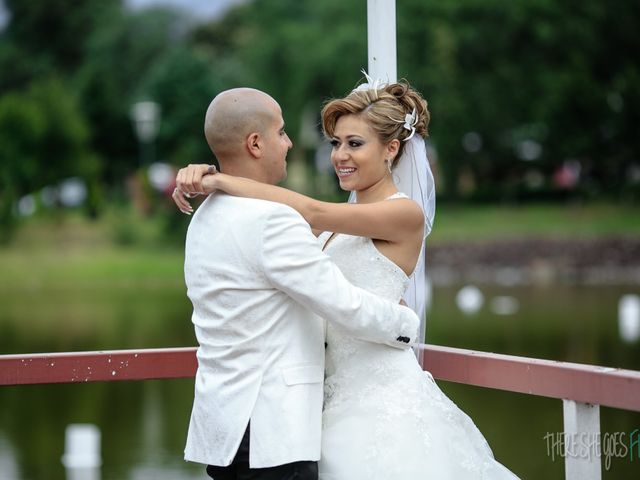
(251, 207)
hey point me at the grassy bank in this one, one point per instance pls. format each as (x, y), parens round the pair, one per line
(499, 222)
(73, 250)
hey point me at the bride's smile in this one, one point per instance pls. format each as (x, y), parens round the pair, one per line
(358, 156)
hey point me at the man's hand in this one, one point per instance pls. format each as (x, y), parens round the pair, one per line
(189, 184)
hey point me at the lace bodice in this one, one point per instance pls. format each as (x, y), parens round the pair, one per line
(364, 266)
(347, 357)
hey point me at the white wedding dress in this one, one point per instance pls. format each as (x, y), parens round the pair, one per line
(384, 418)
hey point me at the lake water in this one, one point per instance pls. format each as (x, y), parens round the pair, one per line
(143, 424)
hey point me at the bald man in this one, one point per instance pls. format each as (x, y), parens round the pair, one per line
(261, 287)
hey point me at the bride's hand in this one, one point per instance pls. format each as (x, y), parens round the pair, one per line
(191, 181)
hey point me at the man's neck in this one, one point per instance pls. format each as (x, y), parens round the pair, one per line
(243, 169)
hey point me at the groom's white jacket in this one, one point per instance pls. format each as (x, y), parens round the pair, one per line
(260, 286)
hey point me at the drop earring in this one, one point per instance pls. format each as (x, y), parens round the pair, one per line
(388, 162)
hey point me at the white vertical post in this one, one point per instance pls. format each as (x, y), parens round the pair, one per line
(382, 56)
(381, 39)
(581, 441)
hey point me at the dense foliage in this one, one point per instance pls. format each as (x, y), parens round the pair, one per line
(529, 99)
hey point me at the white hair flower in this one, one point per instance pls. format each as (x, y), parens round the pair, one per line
(410, 122)
(370, 84)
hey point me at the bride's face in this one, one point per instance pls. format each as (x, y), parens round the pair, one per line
(357, 155)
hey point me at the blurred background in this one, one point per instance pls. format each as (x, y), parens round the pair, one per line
(534, 143)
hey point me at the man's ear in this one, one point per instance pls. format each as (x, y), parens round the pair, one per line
(254, 145)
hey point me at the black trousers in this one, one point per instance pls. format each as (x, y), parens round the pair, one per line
(239, 468)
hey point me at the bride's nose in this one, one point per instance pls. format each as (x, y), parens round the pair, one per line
(339, 153)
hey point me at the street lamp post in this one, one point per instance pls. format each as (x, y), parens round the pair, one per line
(146, 121)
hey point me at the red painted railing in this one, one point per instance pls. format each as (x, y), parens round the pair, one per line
(583, 383)
(78, 367)
(611, 387)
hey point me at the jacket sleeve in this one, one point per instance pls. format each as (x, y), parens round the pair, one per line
(293, 262)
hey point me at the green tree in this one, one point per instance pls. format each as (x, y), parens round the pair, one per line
(49, 37)
(560, 74)
(183, 82)
(145, 57)
(557, 73)
(300, 52)
(43, 139)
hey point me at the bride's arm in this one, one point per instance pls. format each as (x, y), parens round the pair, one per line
(386, 220)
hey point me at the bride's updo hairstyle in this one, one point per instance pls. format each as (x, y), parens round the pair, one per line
(384, 109)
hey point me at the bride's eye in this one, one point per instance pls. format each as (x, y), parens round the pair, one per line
(334, 143)
(355, 144)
